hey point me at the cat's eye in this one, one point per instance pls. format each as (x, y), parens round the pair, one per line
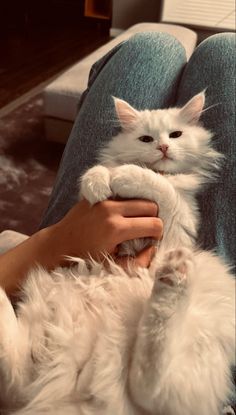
(146, 139)
(175, 134)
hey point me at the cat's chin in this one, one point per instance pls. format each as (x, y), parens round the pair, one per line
(165, 167)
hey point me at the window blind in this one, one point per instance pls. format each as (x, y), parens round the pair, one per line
(206, 13)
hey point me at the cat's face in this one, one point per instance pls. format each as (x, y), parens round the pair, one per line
(169, 140)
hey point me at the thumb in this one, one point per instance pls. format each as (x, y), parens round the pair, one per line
(142, 259)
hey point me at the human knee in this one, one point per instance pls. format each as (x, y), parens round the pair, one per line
(219, 48)
(219, 40)
(156, 42)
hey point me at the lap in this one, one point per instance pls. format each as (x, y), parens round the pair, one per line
(212, 67)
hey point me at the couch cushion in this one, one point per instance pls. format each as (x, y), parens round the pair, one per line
(62, 95)
(9, 239)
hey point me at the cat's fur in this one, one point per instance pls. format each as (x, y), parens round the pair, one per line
(89, 340)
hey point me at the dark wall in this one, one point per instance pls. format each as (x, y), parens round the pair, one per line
(129, 12)
(16, 15)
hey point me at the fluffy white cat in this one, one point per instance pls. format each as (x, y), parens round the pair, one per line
(89, 340)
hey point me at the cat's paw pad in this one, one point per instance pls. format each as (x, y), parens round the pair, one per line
(175, 267)
(179, 259)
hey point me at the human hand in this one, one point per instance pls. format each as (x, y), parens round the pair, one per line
(85, 231)
(94, 230)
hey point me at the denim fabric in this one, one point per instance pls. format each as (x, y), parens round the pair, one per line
(212, 66)
(150, 71)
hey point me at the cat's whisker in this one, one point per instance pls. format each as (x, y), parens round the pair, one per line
(210, 107)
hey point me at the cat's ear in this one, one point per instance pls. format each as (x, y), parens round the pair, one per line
(126, 114)
(191, 112)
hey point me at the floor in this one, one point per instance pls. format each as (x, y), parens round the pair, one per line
(28, 162)
(28, 167)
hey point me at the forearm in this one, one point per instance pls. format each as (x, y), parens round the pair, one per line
(17, 262)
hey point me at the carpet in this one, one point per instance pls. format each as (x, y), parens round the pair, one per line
(28, 166)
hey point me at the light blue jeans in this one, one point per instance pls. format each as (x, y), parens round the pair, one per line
(150, 71)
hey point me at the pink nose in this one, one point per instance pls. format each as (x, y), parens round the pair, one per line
(163, 148)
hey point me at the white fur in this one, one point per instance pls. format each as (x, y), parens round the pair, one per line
(93, 340)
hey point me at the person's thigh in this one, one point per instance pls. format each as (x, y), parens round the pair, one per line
(145, 71)
(212, 66)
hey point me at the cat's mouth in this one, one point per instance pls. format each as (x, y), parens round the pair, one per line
(160, 163)
(165, 157)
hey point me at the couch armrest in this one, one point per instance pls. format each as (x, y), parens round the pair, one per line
(9, 239)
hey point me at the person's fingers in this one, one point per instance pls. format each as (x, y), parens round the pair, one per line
(136, 208)
(129, 208)
(142, 259)
(132, 228)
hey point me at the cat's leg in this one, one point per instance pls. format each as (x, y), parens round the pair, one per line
(180, 363)
(161, 377)
(132, 181)
(150, 363)
(95, 184)
(180, 223)
(13, 352)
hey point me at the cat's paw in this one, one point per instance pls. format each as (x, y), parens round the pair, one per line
(175, 267)
(171, 281)
(95, 185)
(124, 181)
(131, 181)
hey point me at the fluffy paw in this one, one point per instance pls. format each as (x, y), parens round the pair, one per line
(95, 185)
(131, 181)
(174, 269)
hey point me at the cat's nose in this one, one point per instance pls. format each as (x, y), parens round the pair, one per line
(163, 148)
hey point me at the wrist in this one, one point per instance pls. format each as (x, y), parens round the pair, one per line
(55, 242)
(47, 244)
(16, 263)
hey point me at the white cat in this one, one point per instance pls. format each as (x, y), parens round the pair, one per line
(88, 340)
(170, 142)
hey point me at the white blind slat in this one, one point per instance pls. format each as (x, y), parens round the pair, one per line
(207, 13)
